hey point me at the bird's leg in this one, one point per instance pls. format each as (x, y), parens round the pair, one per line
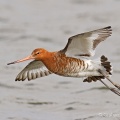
(115, 84)
(112, 89)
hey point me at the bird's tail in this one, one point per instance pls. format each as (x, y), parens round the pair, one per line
(107, 69)
(106, 64)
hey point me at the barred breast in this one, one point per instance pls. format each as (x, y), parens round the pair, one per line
(68, 66)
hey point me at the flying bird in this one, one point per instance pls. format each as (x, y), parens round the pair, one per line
(72, 60)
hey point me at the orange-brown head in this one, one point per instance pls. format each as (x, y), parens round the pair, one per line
(37, 54)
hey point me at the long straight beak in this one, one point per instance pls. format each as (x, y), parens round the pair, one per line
(21, 60)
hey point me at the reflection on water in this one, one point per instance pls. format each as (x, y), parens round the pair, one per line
(26, 25)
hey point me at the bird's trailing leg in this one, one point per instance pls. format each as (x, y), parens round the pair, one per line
(115, 84)
(116, 91)
(95, 78)
(112, 89)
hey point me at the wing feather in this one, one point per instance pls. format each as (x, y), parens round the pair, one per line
(33, 70)
(84, 44)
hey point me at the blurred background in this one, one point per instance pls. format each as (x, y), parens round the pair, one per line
(29, 24)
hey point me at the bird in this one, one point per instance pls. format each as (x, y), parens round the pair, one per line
(72, 61)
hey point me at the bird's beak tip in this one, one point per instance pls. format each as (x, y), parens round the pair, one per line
(21, 60)
(10, 63)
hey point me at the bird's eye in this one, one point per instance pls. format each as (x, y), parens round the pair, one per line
(37, 53)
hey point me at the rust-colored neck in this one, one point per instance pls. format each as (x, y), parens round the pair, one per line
(52, 60)
(48, 59)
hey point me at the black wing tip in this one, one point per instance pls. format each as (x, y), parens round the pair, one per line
(108, 28)
(17, 79)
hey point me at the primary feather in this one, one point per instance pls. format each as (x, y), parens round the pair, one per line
(84, 44)
(33, 70)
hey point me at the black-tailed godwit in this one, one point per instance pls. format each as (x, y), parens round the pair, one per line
(69, 62)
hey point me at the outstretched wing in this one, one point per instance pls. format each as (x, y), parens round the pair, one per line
(84, 44)
(33, 70)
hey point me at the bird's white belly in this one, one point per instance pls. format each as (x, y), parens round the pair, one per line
(87, 69)
(84, 74)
